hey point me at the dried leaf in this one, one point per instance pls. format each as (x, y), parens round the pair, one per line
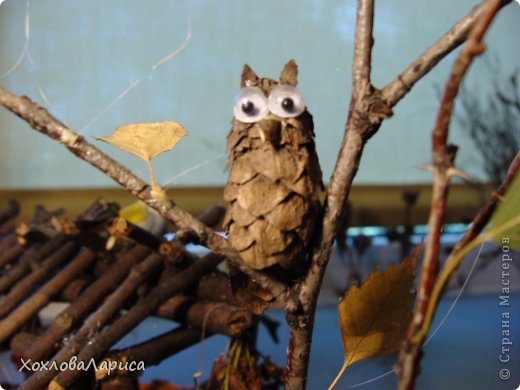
(146, 140)
(374, 318)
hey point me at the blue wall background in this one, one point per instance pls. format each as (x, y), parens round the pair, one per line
(81, 56)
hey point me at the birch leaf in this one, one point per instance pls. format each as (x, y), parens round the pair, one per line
(146, 140)
(374, 318)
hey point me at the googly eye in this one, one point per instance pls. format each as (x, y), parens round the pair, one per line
(286, 101)
(250, 105)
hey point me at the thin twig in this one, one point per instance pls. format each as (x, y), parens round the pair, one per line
(482, 218)
(401, 85)
(152, 352)
(30, 258)
(97, 320)
(456, 258)
(40, 273)
(29, 308)
(45, 345)
(102, 342)
(220, 317)
(442, 171)
(363, 47)
(11, 254)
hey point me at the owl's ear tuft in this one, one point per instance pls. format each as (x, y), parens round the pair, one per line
(248, 78)
(289, 73)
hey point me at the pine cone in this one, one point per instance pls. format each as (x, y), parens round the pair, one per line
(275, 180)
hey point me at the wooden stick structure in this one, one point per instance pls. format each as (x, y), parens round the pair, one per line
(109, 292)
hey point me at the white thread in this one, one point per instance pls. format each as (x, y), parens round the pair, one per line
(153, 68)
(193, 168)
(27, 33)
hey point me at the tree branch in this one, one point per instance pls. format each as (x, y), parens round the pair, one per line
(443, 157)
(41, 272)
(368, 108)
(45, 345)
(399, 87)
(152, 352)
(217, 317)
(482, 218)
(29, 308)
(102, 342)
(97, 320)
(30, 257)
(301, 319)
(363, 46)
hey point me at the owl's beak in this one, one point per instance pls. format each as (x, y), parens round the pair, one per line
(270, 130)
(262, 134)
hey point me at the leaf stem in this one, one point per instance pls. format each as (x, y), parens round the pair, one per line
(155, 188)
(340, 373)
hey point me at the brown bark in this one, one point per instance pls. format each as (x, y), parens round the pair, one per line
(41, 272)
(97, 320)
(74, 289)
(31, 257)
(216, 317)
(120, 382)
(369, 106)
(155, 350)
(45, 346)
(11, 254)
(7, 228)
(443, 170)
(147, 305)
(21, 342)
(121, 228)
(215, 287)
(212, 216)
(30, 307)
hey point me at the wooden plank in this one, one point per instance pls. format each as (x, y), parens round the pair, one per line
(371, 205)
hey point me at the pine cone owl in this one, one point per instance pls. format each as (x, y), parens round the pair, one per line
(275, 179)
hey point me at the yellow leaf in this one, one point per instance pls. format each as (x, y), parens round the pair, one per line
(146, 140)
(374, 318)
(135, 212)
